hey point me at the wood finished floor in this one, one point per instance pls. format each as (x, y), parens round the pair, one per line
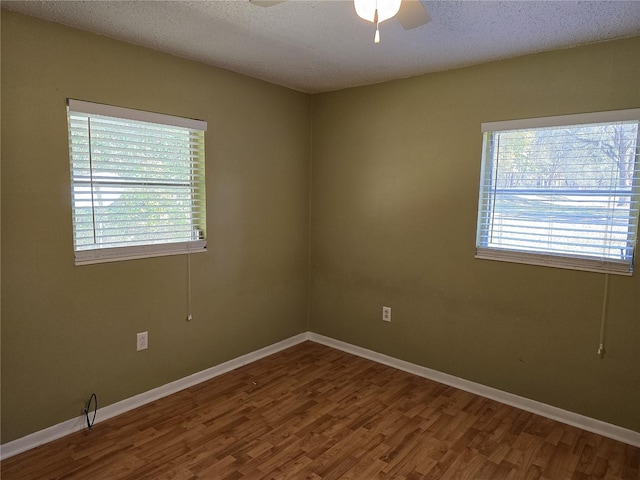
(312, 412)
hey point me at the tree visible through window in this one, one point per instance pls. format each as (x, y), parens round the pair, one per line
(563, 195)
(138, 184)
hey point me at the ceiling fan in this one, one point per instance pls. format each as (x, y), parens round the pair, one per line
(410, 13)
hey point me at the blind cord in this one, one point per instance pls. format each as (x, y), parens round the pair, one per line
(495, 183)
(604, 316)
(86, 410)
(189, 316)
(93, 207)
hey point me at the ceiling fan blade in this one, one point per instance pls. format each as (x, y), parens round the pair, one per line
(266, 3)
(412, 14)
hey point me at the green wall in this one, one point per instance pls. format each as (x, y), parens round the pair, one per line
(394, 196)
(69, 331)
(394, 182)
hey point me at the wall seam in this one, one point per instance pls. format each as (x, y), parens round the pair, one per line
(311, 110)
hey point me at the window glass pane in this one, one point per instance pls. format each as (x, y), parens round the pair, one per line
(568, 191)
(135, 183)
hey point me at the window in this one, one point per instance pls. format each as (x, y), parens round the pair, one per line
(561, 191)
(137, 183)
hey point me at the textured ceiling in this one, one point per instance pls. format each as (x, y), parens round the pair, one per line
(316, 46)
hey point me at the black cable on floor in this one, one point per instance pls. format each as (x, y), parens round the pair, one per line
(93, 398)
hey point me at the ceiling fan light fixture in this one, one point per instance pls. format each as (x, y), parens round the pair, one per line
(366, 9)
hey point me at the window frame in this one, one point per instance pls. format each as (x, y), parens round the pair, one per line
(97, 254)
(566, 261)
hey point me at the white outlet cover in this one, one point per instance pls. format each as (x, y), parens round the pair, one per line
(386, 314)
(142, 341)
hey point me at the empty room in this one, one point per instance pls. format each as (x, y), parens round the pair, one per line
(320, 240)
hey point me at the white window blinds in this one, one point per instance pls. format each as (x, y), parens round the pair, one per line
(138, 183)
(561, 191)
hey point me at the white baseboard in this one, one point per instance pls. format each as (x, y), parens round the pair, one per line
(60, 430)
(570, 418)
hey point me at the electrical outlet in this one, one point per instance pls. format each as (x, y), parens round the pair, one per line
(142, 341)
(386, 314)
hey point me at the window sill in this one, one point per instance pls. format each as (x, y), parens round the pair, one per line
(555, 261)
(104, 255)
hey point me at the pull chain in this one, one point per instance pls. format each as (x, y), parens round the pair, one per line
(604, 316)
(376, 38)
